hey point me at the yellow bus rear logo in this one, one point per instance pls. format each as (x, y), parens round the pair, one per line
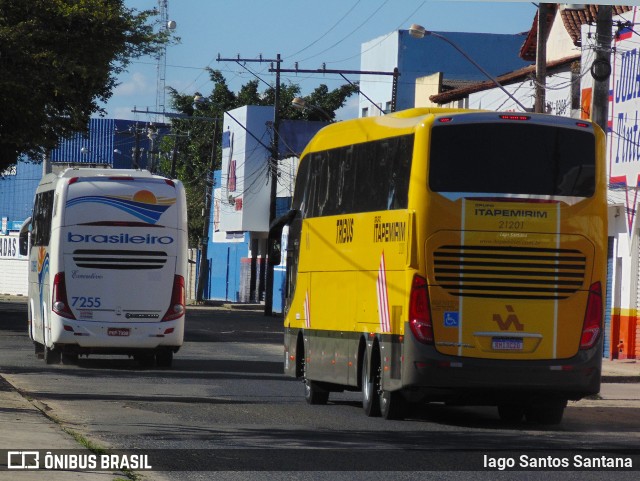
(512, 318)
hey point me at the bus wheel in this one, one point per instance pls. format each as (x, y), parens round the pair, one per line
(549, 412)
(392, 405)
(52, 355)
(511, 413)
(164, 358)
(313, 394)
(370, 385)
(39, 349)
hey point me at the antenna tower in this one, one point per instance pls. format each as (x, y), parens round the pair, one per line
(165, 24)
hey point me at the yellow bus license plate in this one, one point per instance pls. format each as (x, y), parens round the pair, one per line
(506, 344)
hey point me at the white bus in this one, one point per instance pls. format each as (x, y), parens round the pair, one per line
(107, 265)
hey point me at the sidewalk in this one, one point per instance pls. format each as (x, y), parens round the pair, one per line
(620, 370)
(26, 428)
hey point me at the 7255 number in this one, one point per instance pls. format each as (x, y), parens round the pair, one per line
(86, 302)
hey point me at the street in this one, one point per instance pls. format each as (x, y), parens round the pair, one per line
(225, 407)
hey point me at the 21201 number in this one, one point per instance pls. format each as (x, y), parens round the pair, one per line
(511, 224)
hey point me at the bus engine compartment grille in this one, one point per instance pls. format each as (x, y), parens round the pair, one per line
(119, 259)
(509, 272)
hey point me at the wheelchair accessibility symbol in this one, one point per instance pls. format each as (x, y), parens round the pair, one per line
(451, 319)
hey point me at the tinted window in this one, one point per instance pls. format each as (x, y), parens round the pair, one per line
(363, 177)
(517, 158)
(42, 212)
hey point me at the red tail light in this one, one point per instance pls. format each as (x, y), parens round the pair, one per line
(592, 317)
(420, 311)
(59, 302)
(177, 306)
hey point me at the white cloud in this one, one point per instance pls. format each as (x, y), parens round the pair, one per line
(137, 84)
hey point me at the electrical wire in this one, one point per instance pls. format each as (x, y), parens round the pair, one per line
(327, 32)
(359, 54)
(349, 34)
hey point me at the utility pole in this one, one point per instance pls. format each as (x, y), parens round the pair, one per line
(273, 167)
(541, 57)
(208, 200)
(275, 154)
(323, 70)
(601, 67)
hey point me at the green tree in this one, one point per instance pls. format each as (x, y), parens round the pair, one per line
(193, 137)
(59, 59)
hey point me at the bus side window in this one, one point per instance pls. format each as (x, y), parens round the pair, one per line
(345, 184)
(400, 172)
(23, 239)
(42, 211)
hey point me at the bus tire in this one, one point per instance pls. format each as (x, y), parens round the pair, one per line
(38, 349)
(313, 394)
(392, 405)
(547, 413)
(164, 358)
(370, 385)
(52, 355)
(511, 413)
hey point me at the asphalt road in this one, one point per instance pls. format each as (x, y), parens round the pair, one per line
(225, 411)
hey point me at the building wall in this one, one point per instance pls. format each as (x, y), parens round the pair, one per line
(558, 95)
(18, 189)
(245, 181)
(623, 160)
(496, 53)
(426, 87)
(559, 42)
(13, 267)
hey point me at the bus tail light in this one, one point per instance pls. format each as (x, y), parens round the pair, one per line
(177, 306)
(420, 312)
(60, 304)
(592, 317)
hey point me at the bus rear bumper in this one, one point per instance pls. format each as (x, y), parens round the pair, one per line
(100, 337)
(448, 378)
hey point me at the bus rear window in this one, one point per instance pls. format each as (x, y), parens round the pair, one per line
(518, 158)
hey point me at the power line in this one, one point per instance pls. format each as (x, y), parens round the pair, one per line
(327, 32)
(349, 34)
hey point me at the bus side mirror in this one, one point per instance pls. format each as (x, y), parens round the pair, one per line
(275, 251)
(274, 242)
(23, 239)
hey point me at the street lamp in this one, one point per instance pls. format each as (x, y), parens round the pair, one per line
(299, 103)
(418, 31)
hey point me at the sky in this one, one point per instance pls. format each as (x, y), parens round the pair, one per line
(312, 33)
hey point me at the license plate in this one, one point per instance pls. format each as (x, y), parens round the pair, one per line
(506, 344)
(118, 331)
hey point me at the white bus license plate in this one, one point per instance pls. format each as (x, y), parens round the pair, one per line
(507, 344)
(118, 331)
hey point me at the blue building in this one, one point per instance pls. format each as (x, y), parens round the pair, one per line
(415, 58)
(110, 143)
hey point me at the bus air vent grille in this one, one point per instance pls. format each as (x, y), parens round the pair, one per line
(119, 259)
(509, 272)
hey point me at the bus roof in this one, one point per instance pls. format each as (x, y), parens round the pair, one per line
(406, 122)
(90, 172)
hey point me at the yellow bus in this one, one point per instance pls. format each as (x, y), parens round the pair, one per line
(441, 255)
